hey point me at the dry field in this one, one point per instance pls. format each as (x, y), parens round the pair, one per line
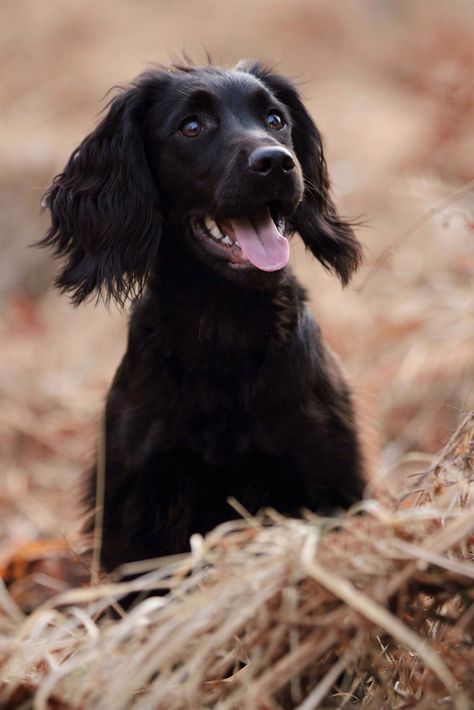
(391, 85)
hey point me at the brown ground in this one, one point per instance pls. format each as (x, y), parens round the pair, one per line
(391, 87)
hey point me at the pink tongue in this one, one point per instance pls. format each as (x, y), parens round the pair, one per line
(260, 240)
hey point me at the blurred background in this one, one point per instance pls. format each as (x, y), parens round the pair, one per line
(390, 84)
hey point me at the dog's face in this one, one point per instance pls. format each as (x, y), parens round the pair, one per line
(223, 165)
(220, 151)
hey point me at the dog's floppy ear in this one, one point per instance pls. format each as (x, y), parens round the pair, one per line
(330, 238)
(105, 216)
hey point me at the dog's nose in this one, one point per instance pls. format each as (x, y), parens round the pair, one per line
(271, 160)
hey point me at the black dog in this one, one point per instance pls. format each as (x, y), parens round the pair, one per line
(185, 196)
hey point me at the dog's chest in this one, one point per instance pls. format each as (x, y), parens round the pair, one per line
(216, 402)
(222, 384)
(215, 377)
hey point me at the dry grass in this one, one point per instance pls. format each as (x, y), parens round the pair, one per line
(374, 609)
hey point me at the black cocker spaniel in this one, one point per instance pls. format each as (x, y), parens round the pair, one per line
(184, 197)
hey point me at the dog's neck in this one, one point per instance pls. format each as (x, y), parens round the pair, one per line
(206, 310)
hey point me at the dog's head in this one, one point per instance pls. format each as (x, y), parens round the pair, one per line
(222, 165)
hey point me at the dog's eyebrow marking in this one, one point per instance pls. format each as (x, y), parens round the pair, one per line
(260, 94)
(262, 98)
(201, 98)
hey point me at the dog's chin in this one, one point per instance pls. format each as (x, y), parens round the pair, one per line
(251, 250)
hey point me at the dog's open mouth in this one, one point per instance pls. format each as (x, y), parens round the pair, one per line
(258, 239)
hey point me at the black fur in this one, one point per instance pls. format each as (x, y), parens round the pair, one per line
(226, 388)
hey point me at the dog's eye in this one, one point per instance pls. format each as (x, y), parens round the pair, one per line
(275, 120)
(191, 127)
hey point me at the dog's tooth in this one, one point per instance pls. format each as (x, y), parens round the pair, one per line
(280, 223)
(227, 240)
(212, 228)
(216, 234)
(237, 245)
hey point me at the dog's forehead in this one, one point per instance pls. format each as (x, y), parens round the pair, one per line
(225, 84)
